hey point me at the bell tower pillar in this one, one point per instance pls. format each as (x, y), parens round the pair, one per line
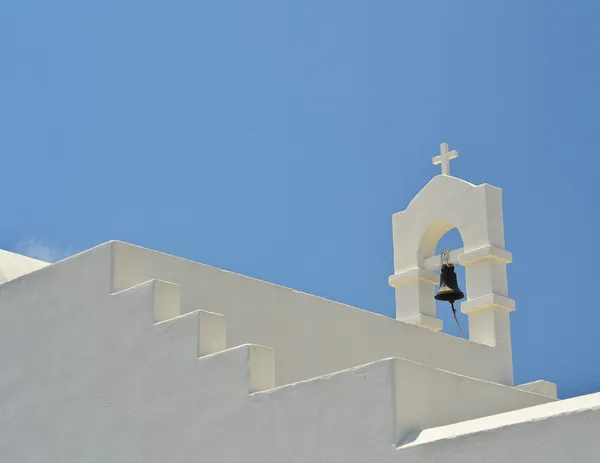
(446, 203)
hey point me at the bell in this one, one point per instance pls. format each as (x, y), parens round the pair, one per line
(449, 290)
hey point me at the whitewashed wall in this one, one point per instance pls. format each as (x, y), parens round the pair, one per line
(312, 336)
(90, 376)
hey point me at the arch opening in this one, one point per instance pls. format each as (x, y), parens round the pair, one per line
(431, 238)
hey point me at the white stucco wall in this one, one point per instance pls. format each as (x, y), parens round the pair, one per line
(564, 431)
(312, 336)
(97, 366)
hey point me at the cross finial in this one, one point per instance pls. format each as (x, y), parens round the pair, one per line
(444, 158)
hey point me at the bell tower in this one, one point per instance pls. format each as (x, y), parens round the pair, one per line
(446, 203)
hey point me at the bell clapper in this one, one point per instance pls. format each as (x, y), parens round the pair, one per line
(449, 290)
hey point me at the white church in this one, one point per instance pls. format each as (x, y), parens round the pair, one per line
(121, 354)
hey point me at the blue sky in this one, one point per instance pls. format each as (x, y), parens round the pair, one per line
(276, 139)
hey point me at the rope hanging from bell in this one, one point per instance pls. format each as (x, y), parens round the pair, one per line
(449, 290)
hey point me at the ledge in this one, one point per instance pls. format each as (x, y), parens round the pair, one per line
(485, 252)
(488, 301)
(425, 321)
(400, 279)
(540, 387)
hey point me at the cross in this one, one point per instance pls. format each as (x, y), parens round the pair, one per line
(444, 158)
